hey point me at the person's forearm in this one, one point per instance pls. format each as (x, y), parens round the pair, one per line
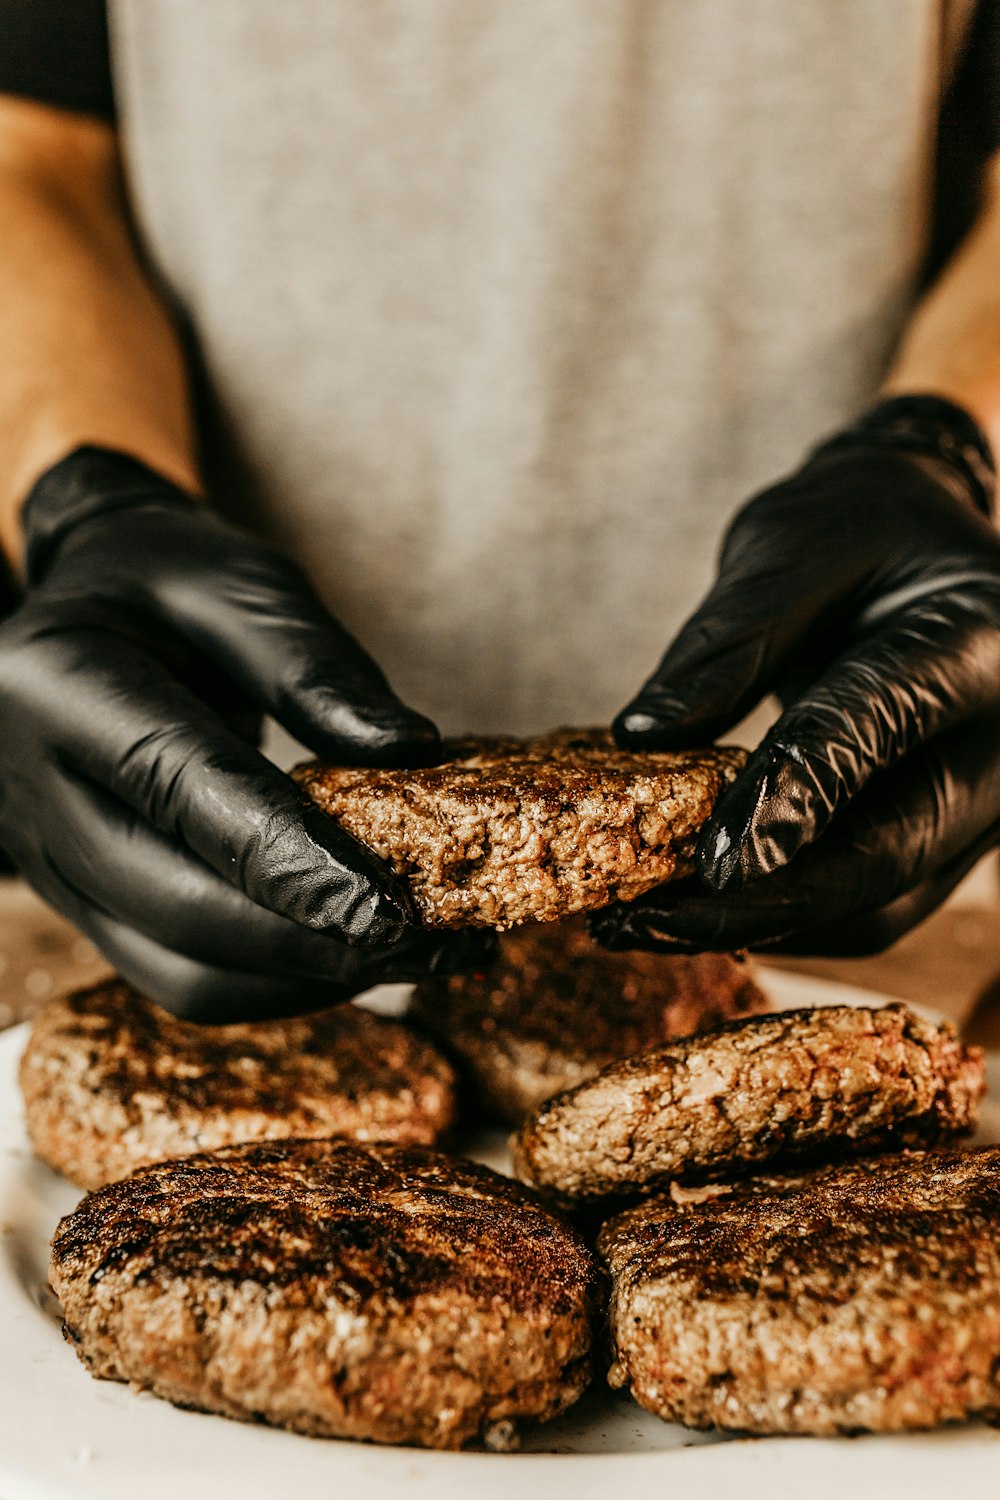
(952, 346)
(88, 353)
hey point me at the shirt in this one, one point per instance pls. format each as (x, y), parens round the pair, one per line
(501, 310)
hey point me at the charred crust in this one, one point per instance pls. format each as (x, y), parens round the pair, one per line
(112, 1081)
(317, 1240)
(507, 831)
(554, 1009)
(816, 1084)
(864, 1296)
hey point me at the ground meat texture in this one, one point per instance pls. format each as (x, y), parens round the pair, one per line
(554, 1009)
(507, 831)
(862, 1297)
(378, 1292)
(112, 1082)
(819, 1083)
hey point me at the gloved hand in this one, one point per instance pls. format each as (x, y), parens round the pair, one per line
(130, 799)
(865, 592)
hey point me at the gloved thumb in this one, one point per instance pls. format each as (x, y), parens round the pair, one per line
(720, 665)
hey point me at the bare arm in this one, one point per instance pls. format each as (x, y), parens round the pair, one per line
(87, 351)
(952, 347)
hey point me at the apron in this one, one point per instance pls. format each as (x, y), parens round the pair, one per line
(503, 307)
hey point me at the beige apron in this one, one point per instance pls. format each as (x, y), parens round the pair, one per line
(507, 305)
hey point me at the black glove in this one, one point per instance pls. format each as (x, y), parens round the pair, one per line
(150, 635)
(865, 592)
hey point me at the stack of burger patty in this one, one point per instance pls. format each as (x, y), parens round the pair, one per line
(783, 1237)
(555, 1009)
(769, 1271)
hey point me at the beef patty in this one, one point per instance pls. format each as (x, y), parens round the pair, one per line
(379, 1292)
(507, 831)
(554, 1009)
(819, 1083)
(111, 1082)
(862, 1297)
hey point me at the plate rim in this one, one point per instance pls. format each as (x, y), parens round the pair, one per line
(38, 1463)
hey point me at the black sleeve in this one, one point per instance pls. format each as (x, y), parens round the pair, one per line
(977, 85)
(968, 135)
(56, 51)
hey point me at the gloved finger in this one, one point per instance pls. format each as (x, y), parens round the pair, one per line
(795, 579)
(261, 622)
(211, 994)
(202, 992)
(874, 931)
(933, 667)
(131, 727)
(758, 615)
(190, 990)
(102, 849)
(207, 993)
(907, 830)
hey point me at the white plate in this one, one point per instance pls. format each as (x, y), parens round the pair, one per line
(65, 1435)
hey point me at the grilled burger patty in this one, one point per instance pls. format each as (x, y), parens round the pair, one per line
(508, 831)
(380, 1292)
(111, 1082)
(862, 1297)
(554, 1009)
(822, 1083)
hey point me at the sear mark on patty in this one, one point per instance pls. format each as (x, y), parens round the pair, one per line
(862, 1296)
(112, 1082)
(380, 1292)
